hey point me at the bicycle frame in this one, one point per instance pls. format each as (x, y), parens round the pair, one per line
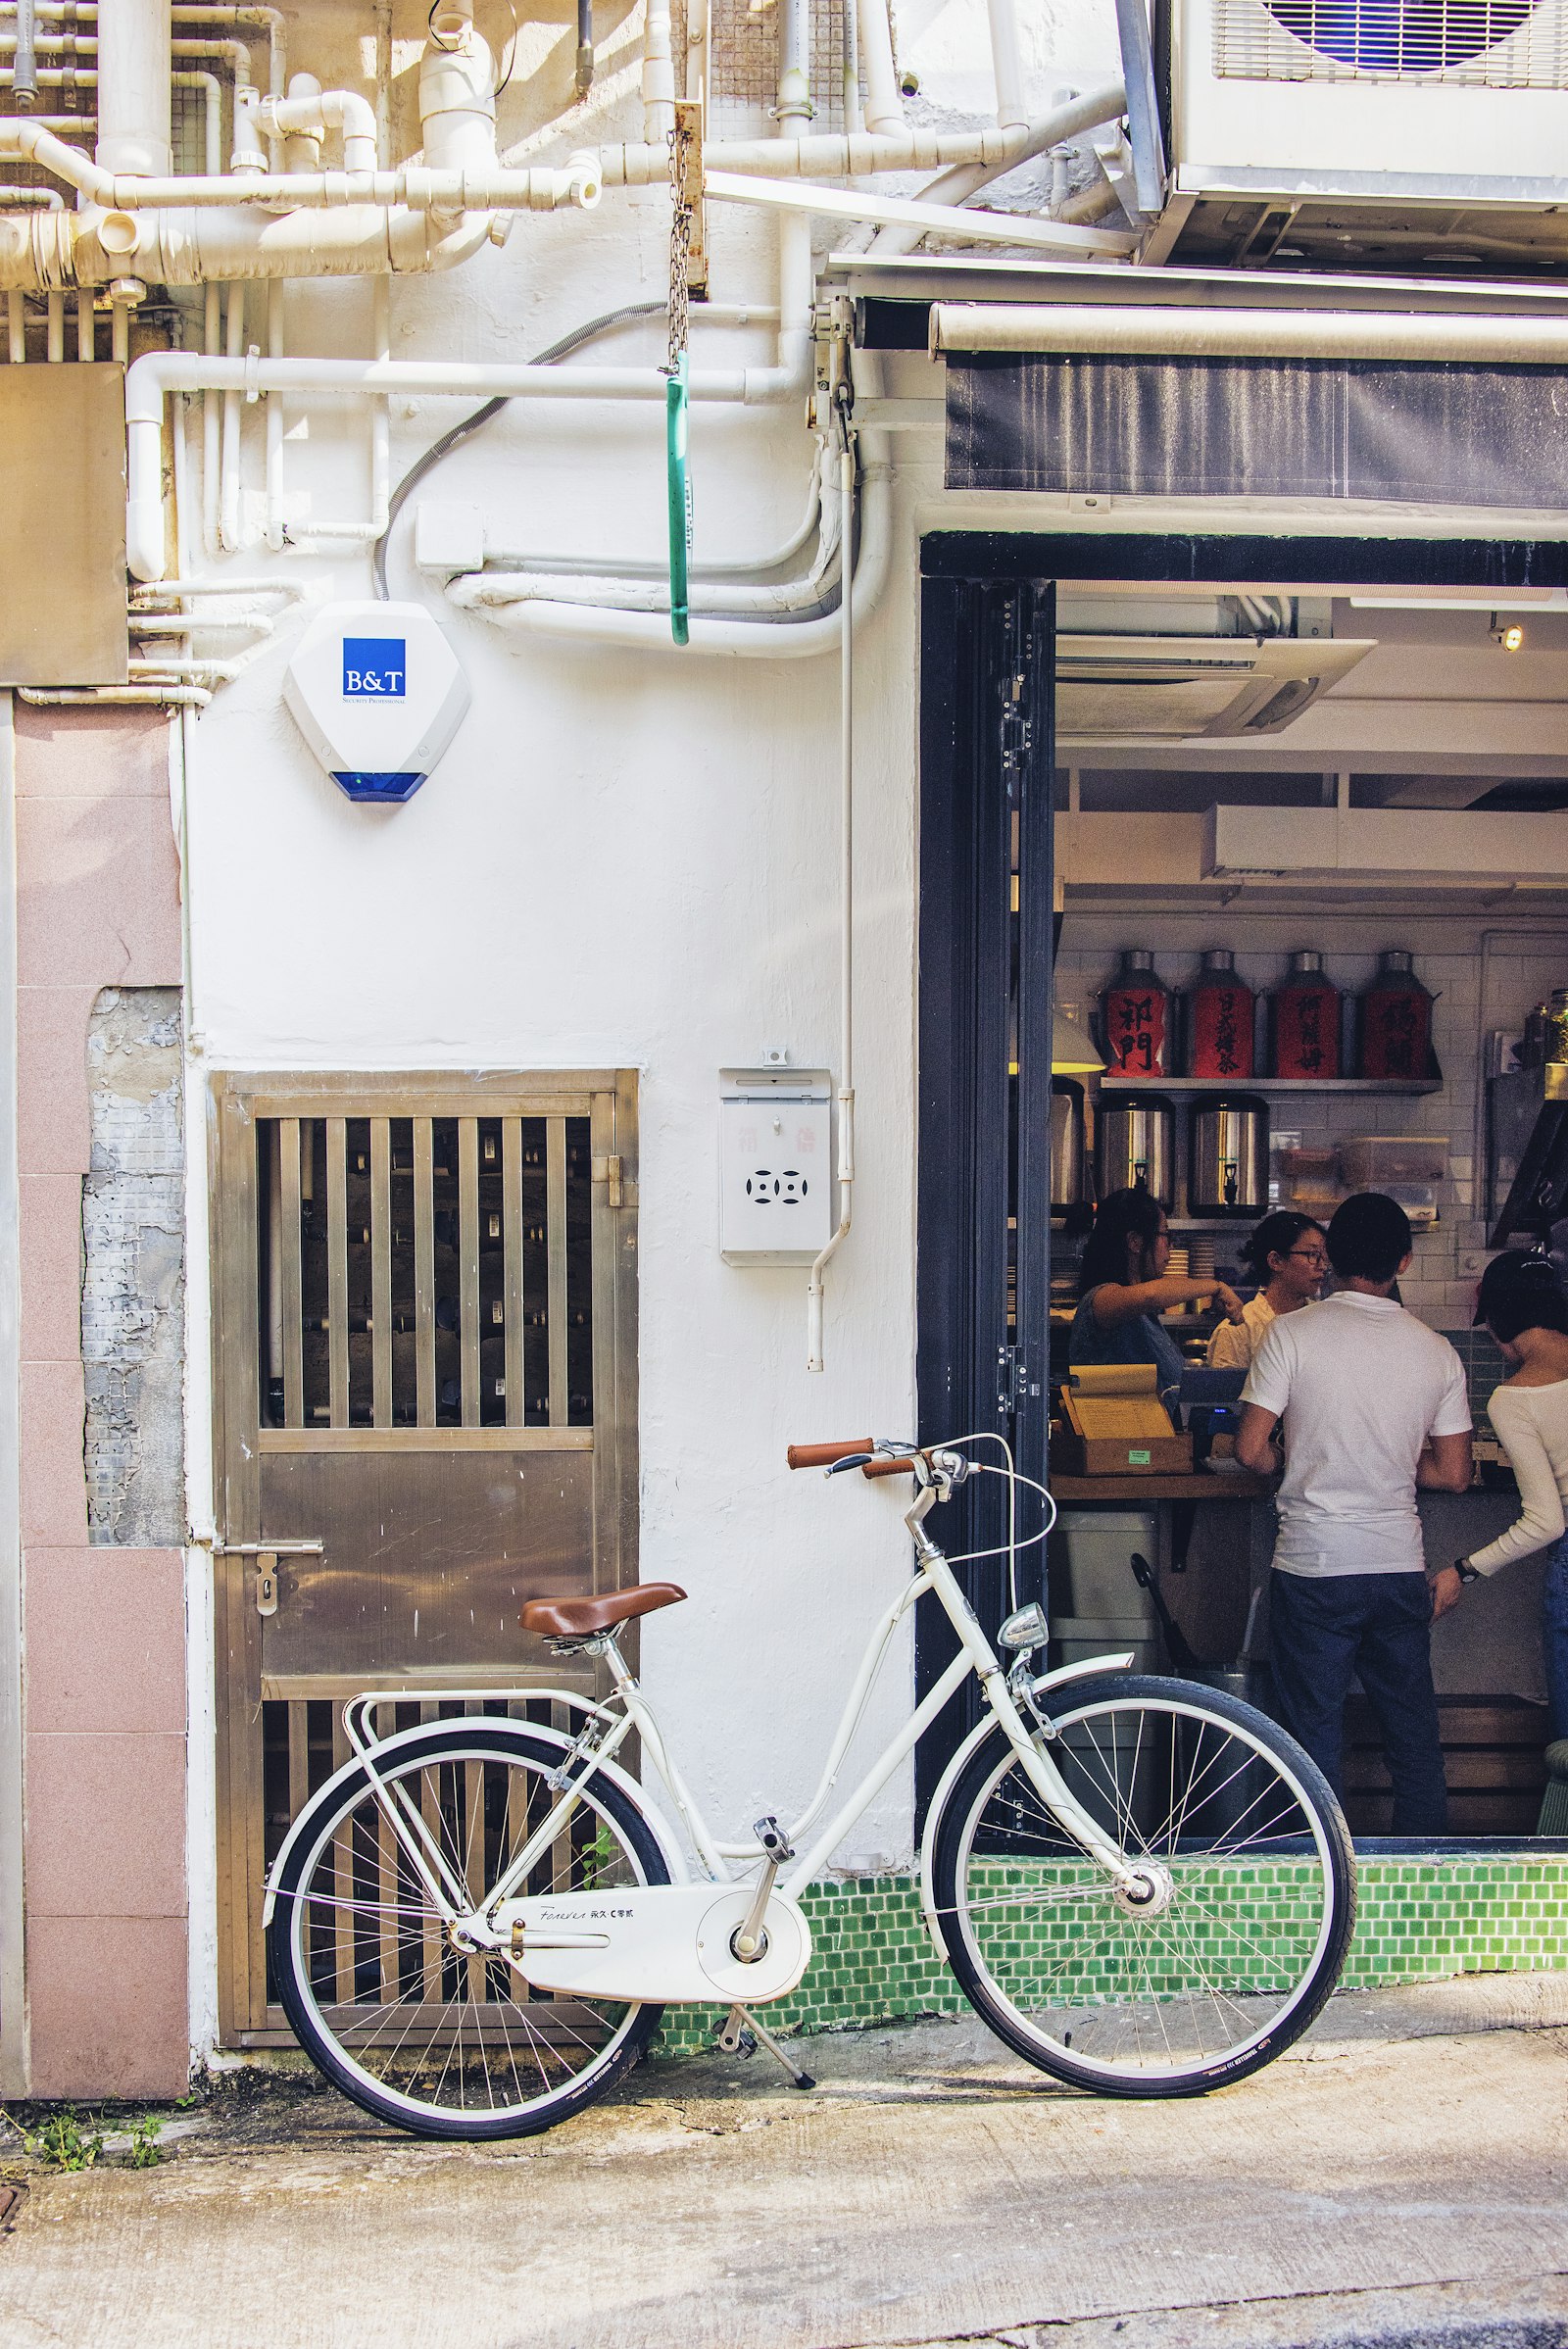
(606, 1731)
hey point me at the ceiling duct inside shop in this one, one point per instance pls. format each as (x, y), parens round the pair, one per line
(1185, 688)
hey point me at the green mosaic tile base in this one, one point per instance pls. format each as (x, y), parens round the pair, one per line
(1418, 1919)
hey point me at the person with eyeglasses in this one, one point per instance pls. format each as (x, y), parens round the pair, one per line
(1289, 1258)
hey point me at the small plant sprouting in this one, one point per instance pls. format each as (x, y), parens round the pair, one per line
(596, 1858)
(145, 2132)
(64, 2143)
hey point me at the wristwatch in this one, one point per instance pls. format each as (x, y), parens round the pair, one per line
(1465, 1571)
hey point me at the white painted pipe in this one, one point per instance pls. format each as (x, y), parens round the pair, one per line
(839, 155)
(272, 529)
(973, 227)
(55, 307)
(492, 188)
(793, 105)
(185, 623)
(659, 76)
(815, 1286)
(212, 337)
(1064, 122)
(132, 697)
(630, 566)
(343, 111)
(367, 532)
(228, 505)
(1156, 332)
(754, 640)
(133, 105)
(884, 107)
(16, 329)
(159, 372)
(1007, 64)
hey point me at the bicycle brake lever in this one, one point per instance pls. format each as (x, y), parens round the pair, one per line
(856, 1461)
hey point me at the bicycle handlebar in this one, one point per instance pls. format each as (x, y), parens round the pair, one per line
(889, 1467)
(823, 1456)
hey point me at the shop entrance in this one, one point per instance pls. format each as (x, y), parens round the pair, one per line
(1431, 749)
(424, 1375)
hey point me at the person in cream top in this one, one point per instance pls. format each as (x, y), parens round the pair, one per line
(1523, 1305)
(1289, 1258)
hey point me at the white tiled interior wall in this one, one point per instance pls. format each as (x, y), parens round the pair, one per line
(1484, 975)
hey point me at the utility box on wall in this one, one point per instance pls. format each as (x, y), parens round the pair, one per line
(775, 1160)
(62, 526)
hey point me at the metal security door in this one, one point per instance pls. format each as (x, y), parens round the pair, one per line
(987, 770)
(424, 1356)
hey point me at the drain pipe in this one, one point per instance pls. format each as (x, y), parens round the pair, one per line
(816, 1284)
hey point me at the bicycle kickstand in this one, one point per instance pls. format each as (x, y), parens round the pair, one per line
(740, 2026)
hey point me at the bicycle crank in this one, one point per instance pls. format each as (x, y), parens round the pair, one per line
(655, 1944)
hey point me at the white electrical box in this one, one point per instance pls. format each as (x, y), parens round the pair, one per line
(775, 1165)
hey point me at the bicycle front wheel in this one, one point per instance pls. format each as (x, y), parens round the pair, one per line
(437, 2039)
(1252, 1904)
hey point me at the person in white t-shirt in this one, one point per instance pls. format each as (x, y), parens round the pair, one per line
(1373, 1404)
(1289, 1258)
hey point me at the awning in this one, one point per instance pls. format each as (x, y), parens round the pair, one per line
(1182, 402)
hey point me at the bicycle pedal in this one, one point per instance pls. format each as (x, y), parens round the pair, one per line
(774, 1842)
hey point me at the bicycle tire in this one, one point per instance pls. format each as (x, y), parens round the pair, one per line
(312, 1951)
(1027, 1964)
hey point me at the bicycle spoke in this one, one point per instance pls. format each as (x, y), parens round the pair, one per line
(422, 2026)
(1234, 1923)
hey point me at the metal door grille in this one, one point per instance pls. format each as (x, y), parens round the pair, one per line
(424, 1272)
(425, 1378)
(1490, 44)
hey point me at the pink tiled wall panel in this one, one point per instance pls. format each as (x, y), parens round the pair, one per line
(97, 906)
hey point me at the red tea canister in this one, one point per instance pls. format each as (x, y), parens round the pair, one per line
(1219, 1019)
(1135, 1011)
(1303, 1022)
(1394, 1022)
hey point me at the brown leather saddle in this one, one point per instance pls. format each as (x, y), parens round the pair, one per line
(581, 1618)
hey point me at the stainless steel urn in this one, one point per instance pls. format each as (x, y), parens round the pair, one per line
(1135, 1145)
(1227, 1169)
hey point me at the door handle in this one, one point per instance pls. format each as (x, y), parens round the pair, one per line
(267, 1556)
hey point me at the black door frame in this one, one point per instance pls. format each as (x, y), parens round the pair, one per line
(987, 773)
(987, 598)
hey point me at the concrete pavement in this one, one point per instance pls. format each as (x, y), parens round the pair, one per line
(1400, 2179)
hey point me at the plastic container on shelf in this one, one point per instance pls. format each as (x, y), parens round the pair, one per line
(1418, 1199)
(1373, 1161)
(1394, 1022)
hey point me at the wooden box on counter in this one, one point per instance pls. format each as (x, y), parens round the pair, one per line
(1121, 1456)
(1114, 1424)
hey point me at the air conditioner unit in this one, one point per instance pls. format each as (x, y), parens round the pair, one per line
(1181, 688)
(1367, 135)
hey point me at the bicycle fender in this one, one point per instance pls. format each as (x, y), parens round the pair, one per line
(389, 1747)
(1086, 1668)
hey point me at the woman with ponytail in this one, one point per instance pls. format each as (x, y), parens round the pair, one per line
(1289, 1257)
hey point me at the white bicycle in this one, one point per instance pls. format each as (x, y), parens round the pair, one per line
(1143, 1885)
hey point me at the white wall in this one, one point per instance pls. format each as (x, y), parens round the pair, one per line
(623, 860)
(628, 860)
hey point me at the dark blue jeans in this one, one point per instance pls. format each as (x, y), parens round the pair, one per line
(1326, 1629)
(1554, 1636)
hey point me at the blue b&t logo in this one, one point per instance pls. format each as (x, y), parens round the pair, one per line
(375, 668)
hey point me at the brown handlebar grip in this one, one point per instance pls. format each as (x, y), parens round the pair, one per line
(901, 1467)
(823, 1456)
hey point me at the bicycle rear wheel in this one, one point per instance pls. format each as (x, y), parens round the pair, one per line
(440, 2041)
(1248, 1930)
